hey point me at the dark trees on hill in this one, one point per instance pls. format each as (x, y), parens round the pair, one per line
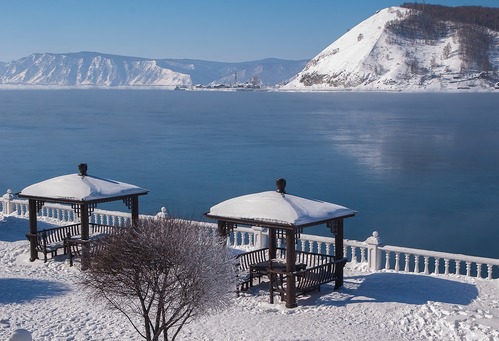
(433, 22)
(471, 15)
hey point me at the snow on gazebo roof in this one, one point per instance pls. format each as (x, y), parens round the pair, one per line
(275, 208)
(78, 187)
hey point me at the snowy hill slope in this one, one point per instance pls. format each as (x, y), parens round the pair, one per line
(103, 70)
(373, 56)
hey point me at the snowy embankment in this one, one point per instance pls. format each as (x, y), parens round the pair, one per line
(46, 300)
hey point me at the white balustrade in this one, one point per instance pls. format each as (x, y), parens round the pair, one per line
(433, 264)
(371, 252)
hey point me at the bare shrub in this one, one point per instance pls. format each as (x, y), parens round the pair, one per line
(162, 274)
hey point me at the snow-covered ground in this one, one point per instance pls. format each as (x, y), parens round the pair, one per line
(46, 300)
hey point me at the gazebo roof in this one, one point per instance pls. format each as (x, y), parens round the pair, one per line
(277, 209)
(80, 188)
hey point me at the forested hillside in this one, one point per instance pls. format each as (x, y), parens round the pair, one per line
(471, 23)
(472, 15)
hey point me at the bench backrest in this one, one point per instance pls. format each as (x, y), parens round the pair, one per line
(58, 234)
(253, 257)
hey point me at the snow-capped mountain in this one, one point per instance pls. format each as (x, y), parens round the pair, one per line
(382, 53)
(103, 70)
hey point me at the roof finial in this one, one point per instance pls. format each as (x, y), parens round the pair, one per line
(82, 167)
(281, 185)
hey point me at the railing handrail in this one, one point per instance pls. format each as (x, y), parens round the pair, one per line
(440, 255)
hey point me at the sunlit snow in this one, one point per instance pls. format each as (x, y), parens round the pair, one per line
(46, 300)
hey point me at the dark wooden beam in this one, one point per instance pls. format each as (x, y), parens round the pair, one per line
(338, 253)
(85, 235)
(33, 229)
(135, 210)
(290, 269)
(272, 243)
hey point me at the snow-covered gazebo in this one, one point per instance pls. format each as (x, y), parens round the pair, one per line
(285, 216)
(83, 192)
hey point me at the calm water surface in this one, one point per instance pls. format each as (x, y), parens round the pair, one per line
(422, 169)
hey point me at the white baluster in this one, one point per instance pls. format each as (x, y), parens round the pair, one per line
(328, 248)
(426, 263)
(489, 271)
(446, 263)
(363, 258)
(387, 260)
(416, 264)
(407, 259)
(354, 254)
(302, 243)
(458, 267)
(238, 239)
(478, 270)
(468, 269)
(319, 247)
(437, 263)
(397, 261)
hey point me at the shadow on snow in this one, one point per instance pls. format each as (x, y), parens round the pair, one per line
(394, 287)
(22, 290)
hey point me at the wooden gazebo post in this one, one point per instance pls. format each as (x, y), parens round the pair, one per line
(85, 236)
(272, 243)
(33, 229)
(338, 253)
(135, 210)
(290, 268)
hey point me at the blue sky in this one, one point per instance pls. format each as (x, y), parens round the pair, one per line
(217, 30)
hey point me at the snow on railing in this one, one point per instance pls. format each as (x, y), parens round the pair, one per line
(104, 217)
(434, 262)
(370, 254)
(59, 213)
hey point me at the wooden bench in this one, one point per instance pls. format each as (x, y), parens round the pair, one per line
(50, 241)
(75, 247)
(243, 266)
(306, 280)
(97, 234)
(54, 239)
